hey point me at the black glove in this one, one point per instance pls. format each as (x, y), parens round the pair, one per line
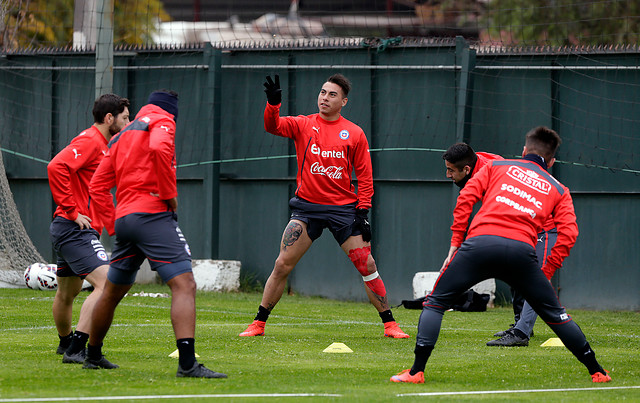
(273, 91)
(362, 222)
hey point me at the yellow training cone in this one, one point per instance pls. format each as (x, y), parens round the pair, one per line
(552, 342)
(176, 354)
(337, 348)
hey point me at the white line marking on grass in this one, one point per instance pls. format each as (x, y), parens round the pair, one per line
(490, 392)
(155, 397)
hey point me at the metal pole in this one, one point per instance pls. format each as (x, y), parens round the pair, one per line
(104, 47)
(84, 22)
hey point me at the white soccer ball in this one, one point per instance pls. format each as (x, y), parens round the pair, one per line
(31, 275)
(47, 278)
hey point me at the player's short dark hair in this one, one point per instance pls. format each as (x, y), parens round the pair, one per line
(460, 154)
(342, 81)
(108, 103)
(542, 141)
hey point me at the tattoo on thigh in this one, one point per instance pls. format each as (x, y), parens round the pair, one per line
(291, 234)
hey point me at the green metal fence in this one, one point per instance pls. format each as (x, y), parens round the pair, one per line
(412, 101)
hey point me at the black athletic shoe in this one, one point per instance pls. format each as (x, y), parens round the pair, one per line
(198, 371)
(502, 333)
(97, 364)
(64, 343)
(62, 348)
(77, 358)
(510, 339)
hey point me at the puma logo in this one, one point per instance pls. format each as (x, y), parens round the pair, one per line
(317, 129)
(76, 153)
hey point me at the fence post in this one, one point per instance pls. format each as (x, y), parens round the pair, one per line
(213, 58)
(466, 58)
(104, 47)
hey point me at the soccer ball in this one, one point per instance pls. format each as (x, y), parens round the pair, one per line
(47, 278)
(31, 275)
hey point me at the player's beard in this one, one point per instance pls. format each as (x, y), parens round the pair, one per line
(114, 129)
(463, 181)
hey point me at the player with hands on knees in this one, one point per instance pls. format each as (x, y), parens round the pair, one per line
(328, 149)
(75, 230)
(462, 163)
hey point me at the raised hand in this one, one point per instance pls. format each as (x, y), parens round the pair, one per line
(273, 91)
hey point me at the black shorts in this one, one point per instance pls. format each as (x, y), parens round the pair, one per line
(79, 251)
(155, 237)
(339, 219)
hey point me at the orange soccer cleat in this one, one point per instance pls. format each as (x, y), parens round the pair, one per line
(600, 377)
(254, 329)
(391, 329)
(406, 377)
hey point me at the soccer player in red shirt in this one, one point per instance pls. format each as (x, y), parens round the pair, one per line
(328, 149)
(517, 198)
(141, 164)
(76, 228)
(461, 163)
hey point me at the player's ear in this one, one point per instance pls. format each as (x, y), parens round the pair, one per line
(524, 151)
(550, 163)
(344, 101)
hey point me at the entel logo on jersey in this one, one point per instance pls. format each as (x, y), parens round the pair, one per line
(326, 154)
(529, 178)
(344, 134)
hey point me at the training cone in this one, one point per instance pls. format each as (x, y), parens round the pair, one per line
(176, 354)
(552, 342)
(337, 348)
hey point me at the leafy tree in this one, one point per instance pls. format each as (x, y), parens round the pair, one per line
(563, 22)
(36, 23)
(49, 23)
(135, 21)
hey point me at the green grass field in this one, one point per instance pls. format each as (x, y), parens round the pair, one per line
(288, 364)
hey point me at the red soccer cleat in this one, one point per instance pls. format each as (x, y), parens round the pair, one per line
(406, 377)
(599, 377)
(254, 329)
(391, 329)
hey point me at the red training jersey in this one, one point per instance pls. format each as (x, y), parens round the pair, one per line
(483, 159)
(518, 196)
(327, 154)
(141, 164)
(70, 172)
